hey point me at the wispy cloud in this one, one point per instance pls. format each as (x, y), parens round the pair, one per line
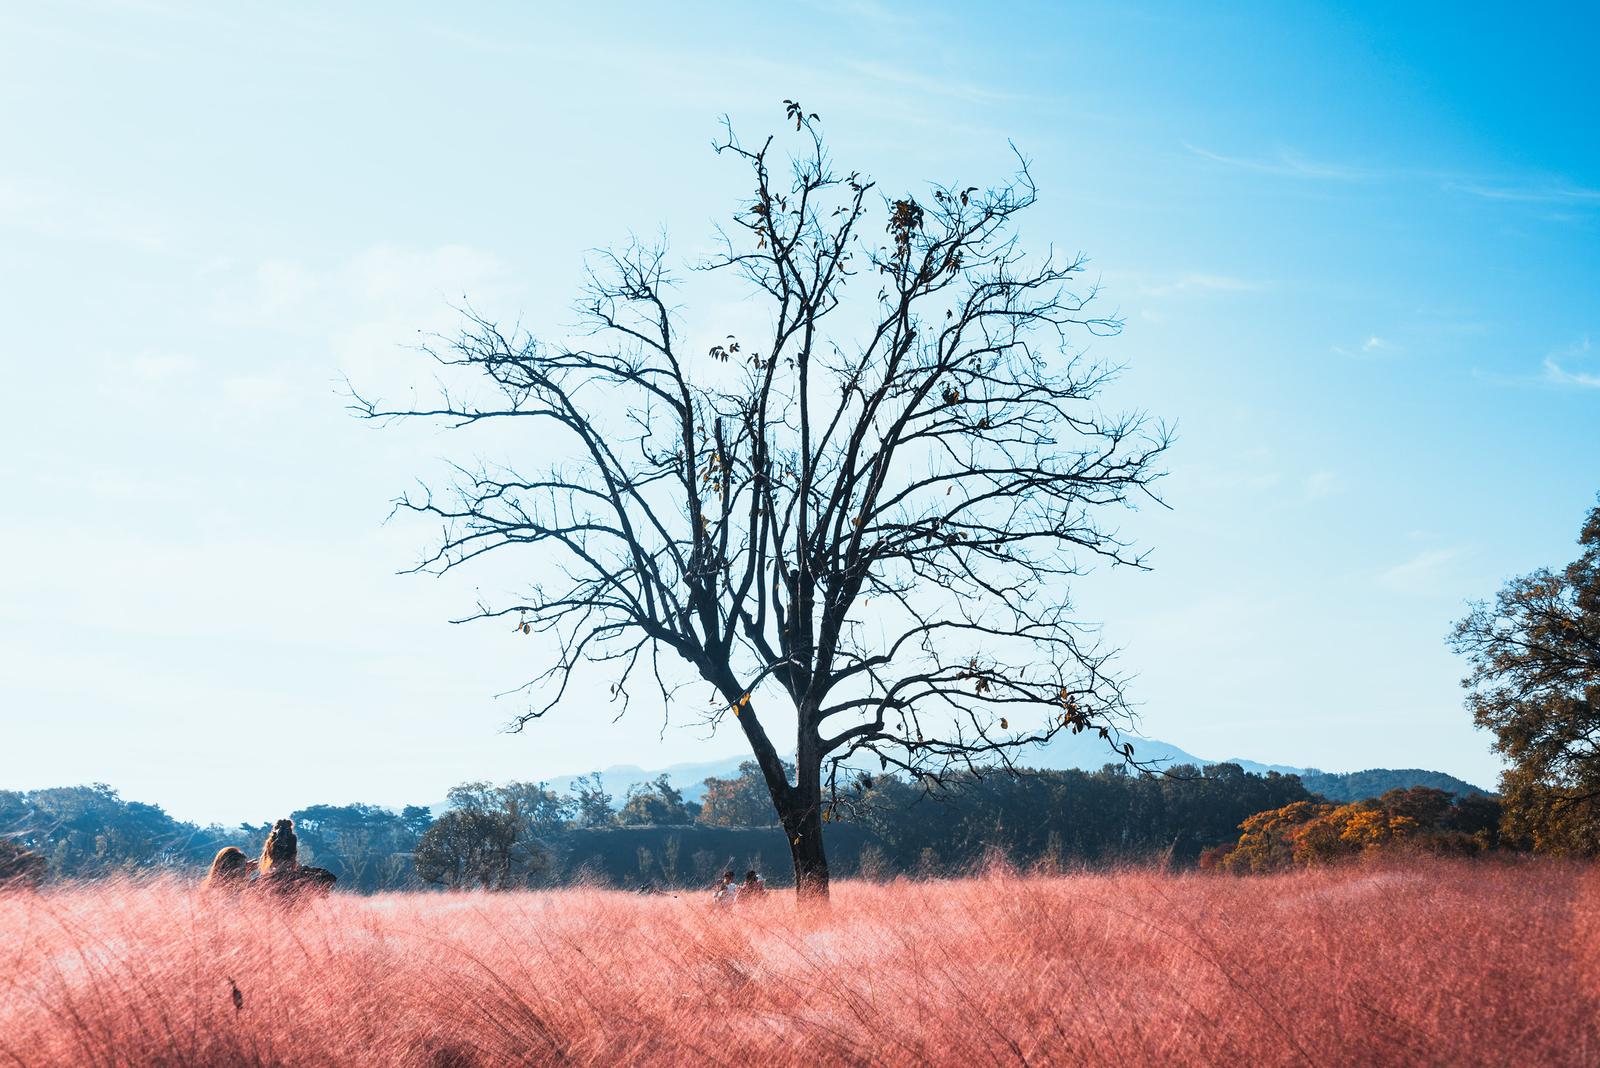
(1372, 347)
(256, 393)
(153, 366)
(1547, 191)
(1558, 367)
(1562, 369)
(1320, 485)
(1555, 192)
(144, 377)
(388, 279)
(922, 84)
(76, 216)
(1288, 164)
(365, 311)
(1421, 573)
(864, 10)
(491, 44)
(1195, 283)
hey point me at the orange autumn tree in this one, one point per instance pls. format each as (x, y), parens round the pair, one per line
(1308, 833)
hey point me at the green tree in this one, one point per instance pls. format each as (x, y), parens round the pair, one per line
(1535, 683)
(492, 837)
(367, 846)
(466, 848)
(20, 866)
(593, 804)
(654, 804)
(742, 801)
(88, 831)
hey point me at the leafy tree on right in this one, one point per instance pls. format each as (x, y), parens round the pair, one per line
(1535, 682)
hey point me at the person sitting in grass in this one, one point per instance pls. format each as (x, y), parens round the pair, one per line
(230, 870)
(753, 887)
(726, 891)
(280, 868)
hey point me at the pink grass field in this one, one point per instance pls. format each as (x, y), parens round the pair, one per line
(1422, 963)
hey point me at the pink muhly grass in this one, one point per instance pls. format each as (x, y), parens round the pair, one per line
(1415, 963)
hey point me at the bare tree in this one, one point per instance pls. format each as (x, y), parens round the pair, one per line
(868, 520)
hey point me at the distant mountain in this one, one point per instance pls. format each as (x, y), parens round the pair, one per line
(1084, 752)
(690, 777)
(1088, 752)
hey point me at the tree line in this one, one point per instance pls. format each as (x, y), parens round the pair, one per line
(528, 835)
(88, 832)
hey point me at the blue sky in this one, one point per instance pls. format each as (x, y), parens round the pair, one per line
(1356, 251)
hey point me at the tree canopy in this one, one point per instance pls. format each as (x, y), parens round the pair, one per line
(656, 803)
(1308, 832)
(1535, 683)
(493, 837)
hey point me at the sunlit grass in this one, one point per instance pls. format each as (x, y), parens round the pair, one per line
(1426, 963)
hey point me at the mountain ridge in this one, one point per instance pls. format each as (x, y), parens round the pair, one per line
(1084, 752)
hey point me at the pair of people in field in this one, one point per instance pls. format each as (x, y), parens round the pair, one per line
(278, 871)
(728, 892)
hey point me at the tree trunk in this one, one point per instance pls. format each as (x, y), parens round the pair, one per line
(803, 821)
(803, 824)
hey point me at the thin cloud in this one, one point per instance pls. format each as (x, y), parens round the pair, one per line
(1213, 283)
(1505, 189)
(153, 366)
(1320, 485)
(478, 42)
(1556, 371)
(1287, 164)
(76, 216)
(862, 10)
(1550, 193)
(958, 90)
(256, 393)
(1371, 347)
(1421, 573)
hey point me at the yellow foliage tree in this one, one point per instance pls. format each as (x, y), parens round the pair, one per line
(1308, 832)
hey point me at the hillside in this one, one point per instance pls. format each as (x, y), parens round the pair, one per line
(1356, 785)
